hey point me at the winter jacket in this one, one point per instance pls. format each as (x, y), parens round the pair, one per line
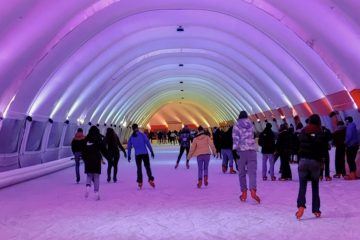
(113, 145)
(140, 143)
(216, 138)
(226, 139)
(92, 152)
(78, 142)
(339, 136)
(284, 142)
(243, 135)
(351, 138)
(313, 143)
(201, 145)
(267, 141)
(184, 138)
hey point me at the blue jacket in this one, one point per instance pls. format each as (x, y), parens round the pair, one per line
(351, 138)
(139, 142)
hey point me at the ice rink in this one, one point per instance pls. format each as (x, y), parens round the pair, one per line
(54, 207)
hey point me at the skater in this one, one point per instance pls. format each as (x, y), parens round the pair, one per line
(184, 140)
(326, 164)
(76, 147)
(201, 149)
(226, 151)
(267, 144)
(92, 149)
(217, 141)
(283, 147)
(141, 144)
(339, 143)
(352, 146)
(113, 144)
(313, 148)
(244, 144)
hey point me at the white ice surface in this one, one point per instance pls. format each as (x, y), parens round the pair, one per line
(54, 207)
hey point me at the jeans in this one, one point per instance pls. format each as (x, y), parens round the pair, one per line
(309, 169)
(350, 156)
(227, 157)
(340, 160)
(93, 177)
(326, 166)
(113, 162)
(203, 165)
(139, 159)
(182, 149)
(247, 163)
(269, 157)
(77, 156)
(285, 166)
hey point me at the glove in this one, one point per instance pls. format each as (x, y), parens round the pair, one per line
(129, 159)
(235, 155)
(152, 155)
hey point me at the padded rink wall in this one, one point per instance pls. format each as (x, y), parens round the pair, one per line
(12, 177)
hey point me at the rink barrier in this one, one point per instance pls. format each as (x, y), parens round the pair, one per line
(19, 175)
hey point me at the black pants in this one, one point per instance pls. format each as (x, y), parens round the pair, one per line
(326, 166)
(350, 156)
(113, 162)
(285, 165)
(139, 159)
(309, 169)
(340, 160)
(182, 149)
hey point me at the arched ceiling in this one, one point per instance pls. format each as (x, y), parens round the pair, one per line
(113, 61)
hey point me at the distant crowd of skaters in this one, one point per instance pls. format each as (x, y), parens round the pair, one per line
(307, 145)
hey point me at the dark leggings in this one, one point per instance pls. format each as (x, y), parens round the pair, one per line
(139, 159)
(285, 166)
(340, 160)
(350, 156)
(113, 162)
(182, 149)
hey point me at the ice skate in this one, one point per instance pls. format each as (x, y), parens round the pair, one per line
(151, 182)
(328, 178)
(199, 183)
(254, 196)
(115, 179)
(351, 176)
(140, 185)
(336, 176)
(264, 178)
(176, 165)
(317, 214)
(87, 191)
(300, 212)
(232, 171)
(224, 169)
(321, 178)
(243, 196)
(97, 196)
(187, 165)
(206, 180)
(108, 179)
(273, 178)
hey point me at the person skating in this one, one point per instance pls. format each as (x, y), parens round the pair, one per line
(312, 151)
(339, 143)
(326, 164)
(184, 140)
(245, 146)
(113, 144)
(226, 151)
(217, 141)
(283, 148)
(352, 146)
(201, 149)
(141, 144)
(267, 144)
(76, 147)
(92, 152)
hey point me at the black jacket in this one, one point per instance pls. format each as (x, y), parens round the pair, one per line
(226, 139)
(284, 142)
(313, 143)
(267, 141)
(93, 149)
